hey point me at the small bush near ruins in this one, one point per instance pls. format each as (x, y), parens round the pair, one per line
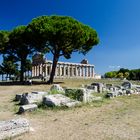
(55, 92)
(75, 94)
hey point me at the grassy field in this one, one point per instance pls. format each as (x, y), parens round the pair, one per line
(112, 119)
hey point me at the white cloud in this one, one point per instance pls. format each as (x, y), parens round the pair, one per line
(113, 67)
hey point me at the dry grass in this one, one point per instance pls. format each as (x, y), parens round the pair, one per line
(115, 119)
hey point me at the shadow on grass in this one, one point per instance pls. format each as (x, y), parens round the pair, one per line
(26, 83)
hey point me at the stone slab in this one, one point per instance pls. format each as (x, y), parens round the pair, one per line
(59, 100)
(12, 128)
(31, 98)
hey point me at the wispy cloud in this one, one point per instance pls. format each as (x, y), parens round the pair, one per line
(113, 67)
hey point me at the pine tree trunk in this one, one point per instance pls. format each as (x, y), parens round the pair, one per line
(55, 60)
(2, 77)
(22, 70)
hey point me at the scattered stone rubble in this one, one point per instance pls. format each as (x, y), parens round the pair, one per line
(126, 88)
(29, 101)
(12, 128)
(74, 96)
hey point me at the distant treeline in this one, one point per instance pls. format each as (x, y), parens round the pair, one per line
(124, 73)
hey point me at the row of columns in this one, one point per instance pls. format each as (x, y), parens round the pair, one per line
(64, 70)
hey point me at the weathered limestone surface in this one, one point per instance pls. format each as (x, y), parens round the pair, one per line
(127, 85)
(89, 97)
(25, 108)
(112, 94)
(12, 128)
(30, 98)
(59, 100)
(57, 87)
(99, 86)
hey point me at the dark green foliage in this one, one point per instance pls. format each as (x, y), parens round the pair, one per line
(111, 74)
(75, 94)
(9, 67)
(4, 38)
(124, 73)
(20, 48)
(61, 35)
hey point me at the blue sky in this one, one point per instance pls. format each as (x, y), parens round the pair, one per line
(117, 23)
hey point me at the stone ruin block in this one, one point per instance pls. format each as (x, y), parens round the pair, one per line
(99, 86)
(127, 85)
(59, 100)
(82, 94)
(89, 97)
(18, 97)
(130, 91)
(57, 87)
(111, 94)
(27, 108)
(93, 87)
(12, 128)
(30, 98)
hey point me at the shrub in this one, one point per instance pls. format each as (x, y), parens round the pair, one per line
(76, 94)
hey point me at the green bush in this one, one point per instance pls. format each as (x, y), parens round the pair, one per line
(76, 94)
(55, 92)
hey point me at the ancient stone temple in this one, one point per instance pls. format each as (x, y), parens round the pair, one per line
(42, 68)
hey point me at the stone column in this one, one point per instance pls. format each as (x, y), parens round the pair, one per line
(36, 70)
(46, 70)
(92, 72)
(72, 71)
(64, 70)
(80, 71)
(76, 71)
(41, 72)
(59, 70)
(32, 71)
(84, 71)
(56, 71)
(88, 71)
(68, 71)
